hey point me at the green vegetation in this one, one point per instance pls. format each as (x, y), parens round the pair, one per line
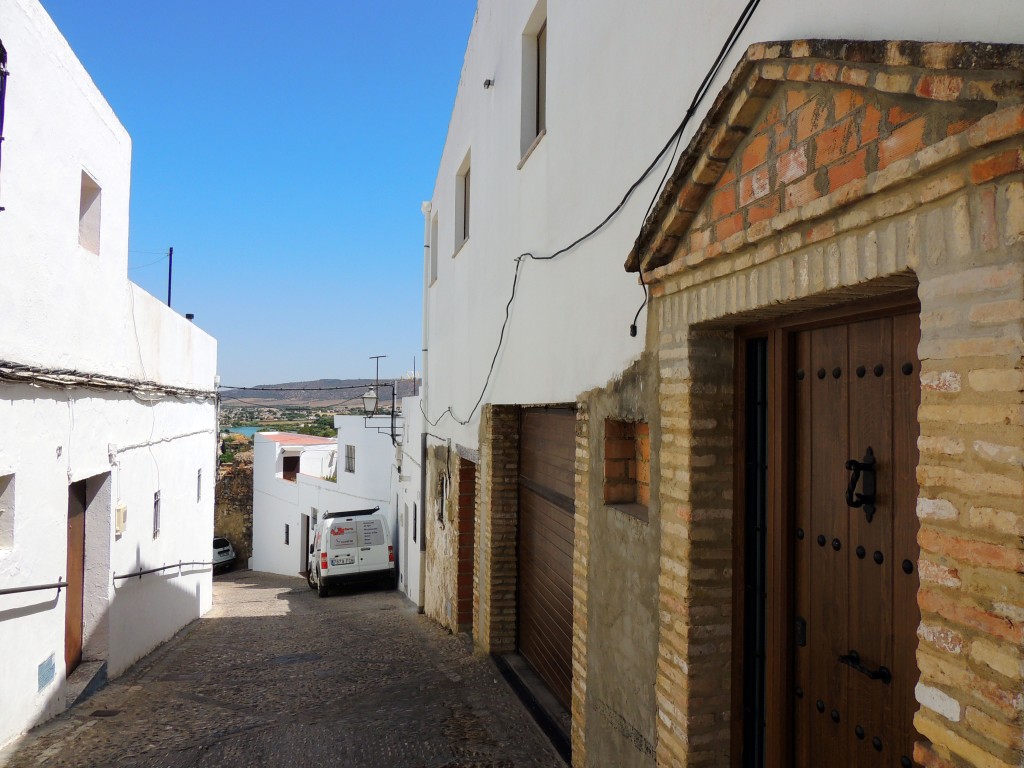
(322, 427)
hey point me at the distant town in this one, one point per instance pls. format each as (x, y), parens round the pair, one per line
(304, 407)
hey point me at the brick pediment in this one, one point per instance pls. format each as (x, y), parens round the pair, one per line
(799, 121)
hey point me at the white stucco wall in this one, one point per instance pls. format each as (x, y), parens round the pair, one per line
(405, 490)
(67, 307)
(277, 502)
(620, 76)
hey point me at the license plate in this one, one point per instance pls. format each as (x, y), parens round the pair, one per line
(342, 560)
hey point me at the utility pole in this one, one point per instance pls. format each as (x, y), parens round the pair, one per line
(170, 272)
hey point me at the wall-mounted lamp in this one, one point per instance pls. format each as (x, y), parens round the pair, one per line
(488, 83)
(370, 403)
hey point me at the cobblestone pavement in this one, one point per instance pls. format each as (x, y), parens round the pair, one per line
(275, 676)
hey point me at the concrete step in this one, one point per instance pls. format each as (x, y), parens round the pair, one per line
(88, 677)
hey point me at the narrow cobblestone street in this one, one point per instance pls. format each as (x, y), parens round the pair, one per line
(275, 676)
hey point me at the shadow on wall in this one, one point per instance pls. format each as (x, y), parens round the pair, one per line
(149, 611)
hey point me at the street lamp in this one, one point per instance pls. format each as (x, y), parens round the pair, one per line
(370, 402)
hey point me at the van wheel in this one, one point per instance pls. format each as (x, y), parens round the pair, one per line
(321, 588)
(309, 579)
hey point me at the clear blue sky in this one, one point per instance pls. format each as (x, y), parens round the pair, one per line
(283, 149)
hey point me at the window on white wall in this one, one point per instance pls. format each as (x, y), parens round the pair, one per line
(156, 514)
(6, 512)
(350, 458)
(287, 533)
(433, 249)
(463, 196)
(199, 485)
(89, 214)
(534, 79)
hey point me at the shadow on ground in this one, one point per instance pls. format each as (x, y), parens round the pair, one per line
(275, 675)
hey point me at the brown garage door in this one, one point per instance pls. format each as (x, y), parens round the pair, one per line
(547, 449)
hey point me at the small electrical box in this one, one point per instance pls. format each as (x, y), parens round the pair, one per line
(120, 518)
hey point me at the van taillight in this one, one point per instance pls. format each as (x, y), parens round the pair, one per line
(391, 554)
(323, 561)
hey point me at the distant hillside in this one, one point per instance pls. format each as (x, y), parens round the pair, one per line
(317, 393)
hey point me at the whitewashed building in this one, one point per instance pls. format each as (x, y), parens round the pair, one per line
(107, 402)
(581, 499)
(298, 478)
(406, 488)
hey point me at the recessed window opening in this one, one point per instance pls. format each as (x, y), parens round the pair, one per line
(89, 214)
(199, 485)
(6, 512)
(463, 194)
(542, 76)
(287, 533)
(433, 249)
(290, 468)
(350, 458)
(627, 464)
(533, 107)
(156, 514)
(415, 524)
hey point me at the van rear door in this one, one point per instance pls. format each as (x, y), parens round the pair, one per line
(373, 545)
(341, 547)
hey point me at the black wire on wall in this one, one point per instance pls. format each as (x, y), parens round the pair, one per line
(3, 98)
(673, 145)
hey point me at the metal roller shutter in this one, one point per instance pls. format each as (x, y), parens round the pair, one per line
(546, 530)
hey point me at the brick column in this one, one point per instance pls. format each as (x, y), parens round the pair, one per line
(693, 690)
(494, 575)
(971, 502)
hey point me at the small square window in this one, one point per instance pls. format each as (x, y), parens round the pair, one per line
(89, 214)
(350, 458)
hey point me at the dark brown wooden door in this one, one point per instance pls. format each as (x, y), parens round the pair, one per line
(855, 619)
(546, 531)
(74, 601)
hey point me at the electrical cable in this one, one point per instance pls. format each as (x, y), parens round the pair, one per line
(148, 264)
(673, 141)
(3, 95)
(290, 407)
(261, 388)
(702, 90)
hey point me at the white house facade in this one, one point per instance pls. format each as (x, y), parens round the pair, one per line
(584, 501)
(406, 480)
(297, 478)
(291, 481)
(107, 401)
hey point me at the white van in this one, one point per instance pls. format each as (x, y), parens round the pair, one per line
(351, 546)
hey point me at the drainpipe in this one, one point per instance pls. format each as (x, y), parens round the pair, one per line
(426, 208)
